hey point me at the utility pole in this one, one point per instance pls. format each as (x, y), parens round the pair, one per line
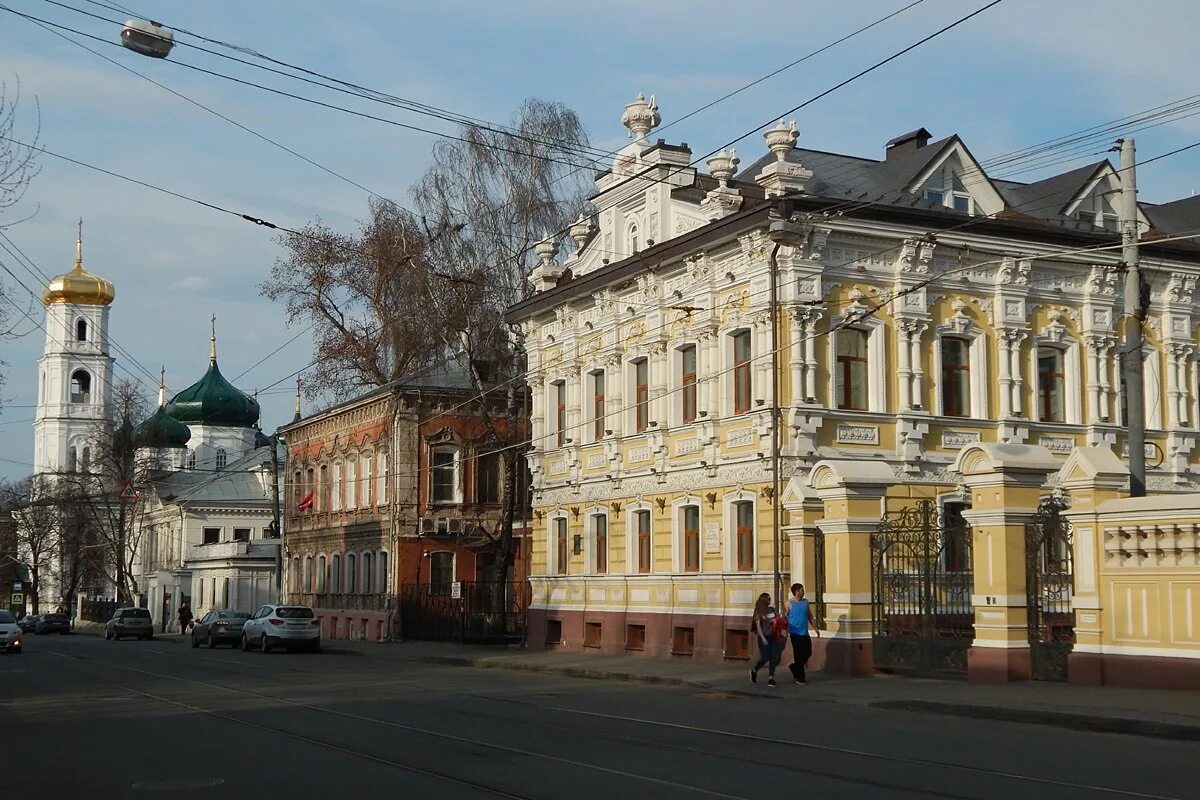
(1134, 314)
(275, 523)
(782, 230)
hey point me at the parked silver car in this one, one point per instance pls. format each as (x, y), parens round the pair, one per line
(130, 622)
(219, 627)
(10, 633)
(282, 626)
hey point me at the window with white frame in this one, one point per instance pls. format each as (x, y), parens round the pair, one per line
(351, 481)
(487, 478)
(634, 243)
(336, 495)
(322, 574)
(368, 576)
(81, 386)
(443, 481)
(380, 478)
(381, 583)
(599, 543)
(335, 573)
(364, 482)
(1097, 211)
(222, 459)
(351, 582)
(308, 573)
(81, 330)
(945, 187)
(644, 541)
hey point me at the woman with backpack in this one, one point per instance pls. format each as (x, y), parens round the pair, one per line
(764, 627)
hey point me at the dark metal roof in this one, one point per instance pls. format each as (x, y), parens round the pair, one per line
(919, 133)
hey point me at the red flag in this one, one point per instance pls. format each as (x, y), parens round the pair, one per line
(306, 503)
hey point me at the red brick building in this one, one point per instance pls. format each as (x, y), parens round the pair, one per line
(393, 494)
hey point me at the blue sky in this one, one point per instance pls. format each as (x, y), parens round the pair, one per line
(1022, 72)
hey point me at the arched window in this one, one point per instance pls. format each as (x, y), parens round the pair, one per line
(294, 578)
(367, 575)
(633, 238)
(323, 492)
(191, 461)
(81, 330)
(308, 573)
(381, 585)
(221, 459)
(321, 574)
(72, 459)
(441, 572)
(351, 574)
(335, 573)
(81, 386)
(85, 459)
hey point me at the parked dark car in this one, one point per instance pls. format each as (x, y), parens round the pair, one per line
(53, 623)
(29, 622)
(219, 627)
(130, 622)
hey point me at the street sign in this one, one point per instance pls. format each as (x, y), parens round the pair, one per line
(456, 591)
(17, 586)
(127, 491)
(18, 599)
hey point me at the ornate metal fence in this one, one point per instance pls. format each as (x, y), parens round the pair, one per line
(1049, 587)
(921, 581)
(484, 611)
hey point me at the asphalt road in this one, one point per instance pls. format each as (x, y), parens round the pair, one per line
(86, 718)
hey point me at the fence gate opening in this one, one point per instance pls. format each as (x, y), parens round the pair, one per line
(1049, 586)
(921, 582)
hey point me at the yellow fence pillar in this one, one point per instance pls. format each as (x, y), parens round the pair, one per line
(1006, 486)
(852, 493)
(1091, 476)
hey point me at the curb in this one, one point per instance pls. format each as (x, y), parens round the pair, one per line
(1060, 719)
(584, 672)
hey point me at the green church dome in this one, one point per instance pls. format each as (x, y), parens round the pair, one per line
(161, 430)
(212, 400)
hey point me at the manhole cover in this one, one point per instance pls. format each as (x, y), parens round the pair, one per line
(176, 784)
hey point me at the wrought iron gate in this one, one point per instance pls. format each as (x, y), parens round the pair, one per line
(921, 584)
(1049, 587)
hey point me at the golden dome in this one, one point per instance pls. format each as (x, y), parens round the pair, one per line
(79, 286)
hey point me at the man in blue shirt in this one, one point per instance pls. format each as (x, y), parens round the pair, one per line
(800, 616)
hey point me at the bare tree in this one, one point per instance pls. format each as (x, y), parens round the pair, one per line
(18, 166)
(500, 191)
(364, 296)
(35, 508)
(103, 535)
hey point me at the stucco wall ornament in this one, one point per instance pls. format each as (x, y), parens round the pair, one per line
(1181, 287)
(582, 231)
(1102, 280)
(1014, 272)
(959, 321)
(1055, 331)
(916, 256)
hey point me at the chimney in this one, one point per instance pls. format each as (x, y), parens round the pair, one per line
(906, 143)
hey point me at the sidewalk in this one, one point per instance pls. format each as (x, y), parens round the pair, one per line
(1140, 712)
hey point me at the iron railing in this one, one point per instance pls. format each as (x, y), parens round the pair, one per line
(340, 601)
(484, 611)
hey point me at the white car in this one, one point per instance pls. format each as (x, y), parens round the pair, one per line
(10, 633)
(291, 627)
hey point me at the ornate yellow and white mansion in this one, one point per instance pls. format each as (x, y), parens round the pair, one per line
(945, 363)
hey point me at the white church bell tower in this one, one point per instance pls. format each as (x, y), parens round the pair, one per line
(75, 370)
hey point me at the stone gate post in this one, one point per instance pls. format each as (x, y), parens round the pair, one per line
(1091, 476)
(1006, 486)
(852, 493)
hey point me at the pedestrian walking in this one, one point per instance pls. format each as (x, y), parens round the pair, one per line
(765, 628)
(185, 617)
(799, 617)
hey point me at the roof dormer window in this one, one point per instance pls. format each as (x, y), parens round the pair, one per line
(1096, 211)
(946, 188)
